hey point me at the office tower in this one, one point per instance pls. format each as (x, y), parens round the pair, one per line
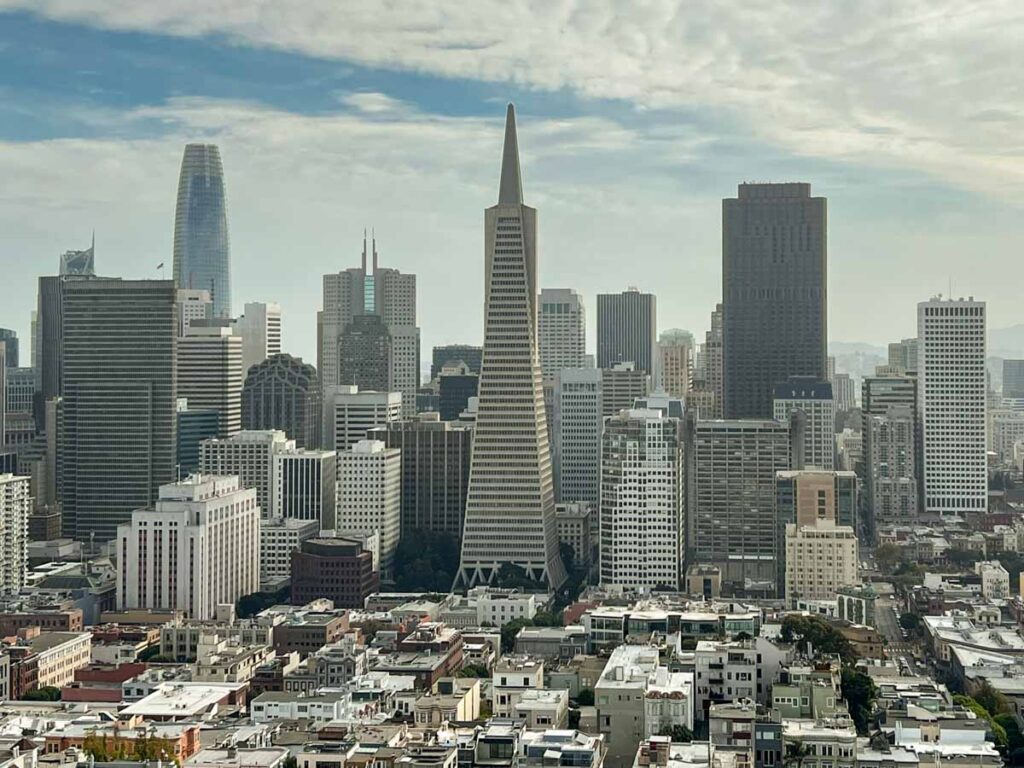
(369, 490)
(626, 327)
(455, 385)
(774, 293)
(641, 525)
(814, 399)
(260, 329)
(283, 393)
(9, 339)
(79, 262)
(338, 569)
(49, 377)
(673, 364)
(194, 426)
(435, 471)
(713, 362)
(561, 330)
(304, 485)
(210, 373)
(1013, 379)
(904, 354)
(622, 385)
(19, 386)
(15, 508)
(701, 401)
(952, 404)
(1006, 430)
(364, 354)
(249, 456)
(201, 251)
(117, 442)
(386, 293)
(890, 465)
(349, 414)
(3, 395)
(279, 538)
(451, 354)
(193, 304)
(33, 338)
(730, 497)
(820, 559)
(579, 408)
(510, 508)
(197, 549)
(844, 392)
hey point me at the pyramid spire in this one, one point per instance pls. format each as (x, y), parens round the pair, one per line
(510, 191)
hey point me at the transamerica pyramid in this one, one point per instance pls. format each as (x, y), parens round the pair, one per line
(510, 507)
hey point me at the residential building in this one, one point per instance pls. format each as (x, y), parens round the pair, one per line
(249, 456)
(814, 400)
(201, 248)
(576, 442)
(260, 328)
(510, 506)
(304, 485)
(627, 324)
(673, 369)
(210, 373)
(350, 413)
(15, 507)
(820, 558)
(641, 513)
(890, 465)
(995, 580)
(197, 549)
(952, 404)
(369, 490)
(774, 293)
(512, 678)
(729, 670)
(279, 537)
(283, 393)
(561, 330)
(744, 733)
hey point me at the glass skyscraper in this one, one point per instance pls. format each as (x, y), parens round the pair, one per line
(201, 249)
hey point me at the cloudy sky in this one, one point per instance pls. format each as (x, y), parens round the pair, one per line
(636, 118)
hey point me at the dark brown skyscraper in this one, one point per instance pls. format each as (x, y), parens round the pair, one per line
(774, 293)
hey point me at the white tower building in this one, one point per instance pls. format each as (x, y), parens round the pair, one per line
(577, 435)
(369, 491)
(561, 329)
(350, 413)
(814, 400)
(260, 329)
(248, 455)
(210, 374)
(15, 507)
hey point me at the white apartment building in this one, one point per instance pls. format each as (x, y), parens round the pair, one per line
(304, 485)
(820, 559)
(278, 539)
(641, 523)
(249, 455)
(576, 442)
(561, 330)
(512, 677)
(15, 507)
(210, 374)
(995, 580)
(199, 548)
(349, 414)
(369, 490)
(260, 329)
(814, 399)
(952, 404)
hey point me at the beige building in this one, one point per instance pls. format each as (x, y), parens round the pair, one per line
(673, 364)
(453, 699)
(59, 655)
(819, 560)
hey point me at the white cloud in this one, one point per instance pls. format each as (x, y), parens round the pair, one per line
(910, 85)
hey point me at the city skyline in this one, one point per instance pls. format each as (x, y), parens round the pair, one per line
(362, 133)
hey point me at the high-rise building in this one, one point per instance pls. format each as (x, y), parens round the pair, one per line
(372, 291)
(19, 386)
(814, 400)
(450, 354)
(820, 559)
(952, 404)
(561, 330)
(364, 354)
(1006, 429)
(9, 339)
(369, 489)
(579, 411)
(890, 465)
(194, 426)
(117, 444)
(249, 456)
(774, 293)
(49, 377)
(730, 497)
(210, 373)
(3, 395)
(904, 355)
(1013, 379)
(641, 525)
(193, 304)
(260, 329)
(844, 391)
(713, 362)
(304, 485)
(283, 393)
(201, 249)
(278, 539)
(79, 262)
(15, 508)
(626, 327)
(338, 569)
(510, 508)
(455, 385)
(435, 471)
(673, 364)
(349, 414)
(622, 384)
(197, 549)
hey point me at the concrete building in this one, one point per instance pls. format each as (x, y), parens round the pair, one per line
(561, 330)
(304, 485)
(279, 537)
(249, 456)
(364, 354)
(641, 512)
(820, 558)
(193, 304)
(15, 507)
(118, 352)
(1007, 429)
(450, 354)
(577, 524)
(621, 385)
(890, 465)
(952, 404)
(512, 678)
(713, 365)
(259, 325)
(198, 549)
(673, 368)
(349, 414)
(774, 293)
(338, 569)
(576, 443)
(210, 373)
(455, 386)
(282, 392)
(904, 354)
(627, 324)
(369, 489)
(435, 471)
(814, 400)
(510, 506)
(995, 580)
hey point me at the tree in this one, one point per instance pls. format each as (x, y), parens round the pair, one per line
(859, 691)
(1014, 737)
(473, 670)
(814, 632)
(962, 557)
(796, 753)
(249, 605)
(425, 561)
(545, 619)
(679, 733)
(290, 762)
(887, 556)
(992, 700)
(509, 631)
(46, 693)
(999, 734)
(910, 622)
(585, 698)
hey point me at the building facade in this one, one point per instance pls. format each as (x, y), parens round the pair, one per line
(673, 369)
(210, 373)
(627, 324)
(249, 456)
(260, 328)
(283, 393)
(820, 559)
(340, 570)
(561, 330)
(15, 507)
(578, 424)
(304, 485)
(814, 400)
(369, 490)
